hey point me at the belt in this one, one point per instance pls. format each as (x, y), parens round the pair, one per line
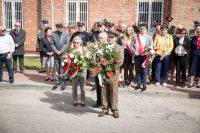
(5, 53)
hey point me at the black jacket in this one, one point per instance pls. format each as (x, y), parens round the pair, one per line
(46, 45)
(85, 36)
(18, 38)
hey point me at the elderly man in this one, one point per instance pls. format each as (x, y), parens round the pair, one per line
(19, 36)
(59, 46)
(7, 47)
(110, 90)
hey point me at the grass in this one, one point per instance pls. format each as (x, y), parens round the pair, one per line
(32, 63)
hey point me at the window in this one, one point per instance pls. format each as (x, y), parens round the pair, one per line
(12, 10)
(149, 11)
(77, 10)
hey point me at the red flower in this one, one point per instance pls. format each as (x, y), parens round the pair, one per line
(104, 62)
(95, 70)
(71, 64)
(109, 74)
(118, 61)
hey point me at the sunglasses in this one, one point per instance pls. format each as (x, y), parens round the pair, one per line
(183, 33)
(4, 30)
(198, 32)
(99, 25)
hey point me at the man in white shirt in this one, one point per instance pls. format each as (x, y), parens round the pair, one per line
(7, 47)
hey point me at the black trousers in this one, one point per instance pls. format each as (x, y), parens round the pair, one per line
(180, 62)
(21, 62)
(98, 90)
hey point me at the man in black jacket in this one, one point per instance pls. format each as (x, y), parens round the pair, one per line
(19, 36)
(85, 36)
(171, 28)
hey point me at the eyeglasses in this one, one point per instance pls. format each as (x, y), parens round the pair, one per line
(76, 42)
(183, 33)
(99, 25)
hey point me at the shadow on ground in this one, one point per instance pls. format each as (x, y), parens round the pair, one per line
(192, 93)
(63, 102)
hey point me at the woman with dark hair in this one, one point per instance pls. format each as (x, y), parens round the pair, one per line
(194, 70)
(181, 49)
(48, 59)
(163, 45)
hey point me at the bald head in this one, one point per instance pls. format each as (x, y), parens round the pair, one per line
(2, 31)
(103, 37)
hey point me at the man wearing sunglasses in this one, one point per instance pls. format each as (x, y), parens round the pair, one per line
(7, 47)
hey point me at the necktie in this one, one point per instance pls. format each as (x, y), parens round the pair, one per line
(140, 48)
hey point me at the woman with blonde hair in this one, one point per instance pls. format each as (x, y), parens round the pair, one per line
(127, 41)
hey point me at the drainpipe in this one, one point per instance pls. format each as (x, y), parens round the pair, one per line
(41, 10)
(52, 16)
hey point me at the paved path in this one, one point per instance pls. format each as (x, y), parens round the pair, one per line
(33, 110)
(32, 78)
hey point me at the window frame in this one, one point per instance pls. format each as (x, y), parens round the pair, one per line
(77, 12)
(150, 11)
(13, 13)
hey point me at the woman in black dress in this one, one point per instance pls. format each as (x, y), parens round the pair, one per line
(194, 69)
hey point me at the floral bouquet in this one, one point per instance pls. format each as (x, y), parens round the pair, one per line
(103, 59)
(74, 64)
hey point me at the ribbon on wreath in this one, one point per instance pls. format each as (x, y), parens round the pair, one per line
(67, 59)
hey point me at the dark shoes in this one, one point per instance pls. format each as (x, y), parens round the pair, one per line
(75, 104)
(115, 114)
(82, 104)
(62, 88)
(137, 87)
(96, 106)
(46, 79)
(55, 87)
(103, 113)
(144, 88)
(11, 81)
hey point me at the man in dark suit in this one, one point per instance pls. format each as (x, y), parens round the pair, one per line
(171, 28)
(19, 36)
(59, 47)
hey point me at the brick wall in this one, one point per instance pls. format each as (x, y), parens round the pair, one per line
(115, 10)
(59, 11)
(167, 9)
(31, 18)
(1, 17)
(185, 12)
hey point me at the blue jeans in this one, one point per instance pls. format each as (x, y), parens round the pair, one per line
(8, 63)
(161, 69)
(141, 73)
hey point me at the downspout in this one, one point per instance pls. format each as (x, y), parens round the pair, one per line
(41, 10)
(52, 16)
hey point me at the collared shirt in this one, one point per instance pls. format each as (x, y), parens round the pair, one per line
(181, 40)
(6, 44)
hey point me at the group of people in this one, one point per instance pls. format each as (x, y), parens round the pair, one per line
(150, 55)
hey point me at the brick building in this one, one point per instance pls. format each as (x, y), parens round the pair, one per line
(31, 12)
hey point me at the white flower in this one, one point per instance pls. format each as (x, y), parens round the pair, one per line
(62, 64)
(66, 60)
(75, 60)
(71, 55)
